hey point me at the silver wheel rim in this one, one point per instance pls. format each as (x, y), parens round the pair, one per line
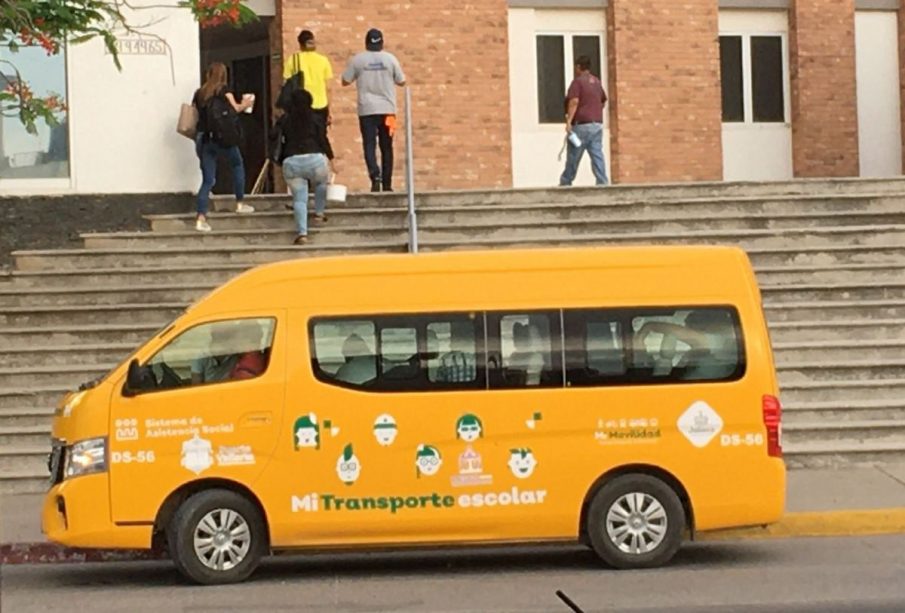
(222, 539)
(636, 523)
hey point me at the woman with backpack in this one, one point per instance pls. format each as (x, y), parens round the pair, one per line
(306, 156)
(218, 135)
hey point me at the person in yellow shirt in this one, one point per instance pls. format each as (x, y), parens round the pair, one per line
(317, 73)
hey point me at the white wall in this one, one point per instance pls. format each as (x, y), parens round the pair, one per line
(758, 151)
(123, 123)
(535, 146)
(879, 119)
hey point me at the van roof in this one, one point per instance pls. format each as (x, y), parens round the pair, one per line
(260, 286)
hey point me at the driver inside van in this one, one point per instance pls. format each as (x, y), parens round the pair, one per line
(234, 353)
(710, 335)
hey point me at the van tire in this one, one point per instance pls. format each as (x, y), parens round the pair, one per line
(622, 494)
(215, 507)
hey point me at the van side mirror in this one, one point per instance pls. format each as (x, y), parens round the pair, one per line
(137, 379)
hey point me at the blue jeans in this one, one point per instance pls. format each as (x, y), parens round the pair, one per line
(591, 136)
(208, 152)
(298, 170)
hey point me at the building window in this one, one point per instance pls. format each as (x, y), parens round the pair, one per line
(44, 155)
(753, 76)
(556, 56)
(731, 74)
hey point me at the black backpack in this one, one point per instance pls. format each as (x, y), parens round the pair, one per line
(292, 84)
(222, 122)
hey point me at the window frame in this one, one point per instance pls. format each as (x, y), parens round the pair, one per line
(403, 320)
(748, 77)
(569, 69)
(146, 362)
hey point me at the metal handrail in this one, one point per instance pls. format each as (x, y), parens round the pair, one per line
(410, 173)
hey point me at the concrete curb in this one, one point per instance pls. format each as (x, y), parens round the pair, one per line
(792, 525)
(821, 523)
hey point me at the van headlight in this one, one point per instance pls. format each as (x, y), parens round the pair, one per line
(86, 457)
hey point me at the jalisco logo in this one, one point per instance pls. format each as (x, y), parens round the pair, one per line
(314, 502)
(700, 423)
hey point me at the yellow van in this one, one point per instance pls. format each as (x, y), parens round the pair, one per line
(619, 397)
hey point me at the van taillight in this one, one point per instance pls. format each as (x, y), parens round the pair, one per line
(773, 422)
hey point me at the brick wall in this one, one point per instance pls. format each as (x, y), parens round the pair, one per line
(455, 57)
(665, 90)
(824, 96)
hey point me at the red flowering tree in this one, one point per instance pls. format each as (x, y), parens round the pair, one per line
(52, 23)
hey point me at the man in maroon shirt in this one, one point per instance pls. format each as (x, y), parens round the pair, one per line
(584, 122)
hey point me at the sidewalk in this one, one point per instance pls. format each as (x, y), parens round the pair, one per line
(825, 501)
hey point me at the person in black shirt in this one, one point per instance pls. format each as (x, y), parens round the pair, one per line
(307, 156)
(214, 94)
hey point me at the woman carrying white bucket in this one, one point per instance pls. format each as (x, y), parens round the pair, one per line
(306, 156)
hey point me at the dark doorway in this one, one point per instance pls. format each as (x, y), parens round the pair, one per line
(246, 53)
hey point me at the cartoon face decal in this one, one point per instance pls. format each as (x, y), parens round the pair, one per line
(428, 460)
(306, 432)
(348, 467)
(385, 430)
(469, 428)
(522, 463)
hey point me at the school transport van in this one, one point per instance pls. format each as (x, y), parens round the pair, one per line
(623, 398)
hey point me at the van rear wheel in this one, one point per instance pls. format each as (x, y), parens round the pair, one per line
(635, 521)
(217, 536)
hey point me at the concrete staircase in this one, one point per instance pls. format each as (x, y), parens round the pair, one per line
(830, 257)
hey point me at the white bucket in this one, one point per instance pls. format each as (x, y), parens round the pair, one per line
(336, 192)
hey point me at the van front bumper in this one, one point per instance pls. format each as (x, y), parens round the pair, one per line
(76, 513)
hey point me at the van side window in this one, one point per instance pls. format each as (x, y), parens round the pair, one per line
(595, 352)
(525, 350)
(213, 353)
(701, 344)
(400, 353)
(452, 352)
(345, 350)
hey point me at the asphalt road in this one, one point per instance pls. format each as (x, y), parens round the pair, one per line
(855, 574)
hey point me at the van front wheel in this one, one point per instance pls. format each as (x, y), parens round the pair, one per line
(217, 536)
(635, 521)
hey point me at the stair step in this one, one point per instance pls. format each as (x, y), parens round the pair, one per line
(69, 376)
(865, 431)
(831, 411)
(62, 355)
(863, 290)
(791, 274)
(27, 459)
(323, 237)
(131, 314)
(24, 482)
(50, 337)
(843, 452)
(834, 310)
(31, 397)
(790, 332)
(841, 390)
(825, 351)
(25, 436)
(110, 295)
(15, 417)
(112, 277)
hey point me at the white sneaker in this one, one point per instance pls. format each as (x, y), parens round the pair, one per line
(202, 226)
(243, 208)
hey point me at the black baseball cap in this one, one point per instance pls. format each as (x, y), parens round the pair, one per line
(374, 40)
(306, 39)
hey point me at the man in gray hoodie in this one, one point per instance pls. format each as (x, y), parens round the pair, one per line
(376, 73)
